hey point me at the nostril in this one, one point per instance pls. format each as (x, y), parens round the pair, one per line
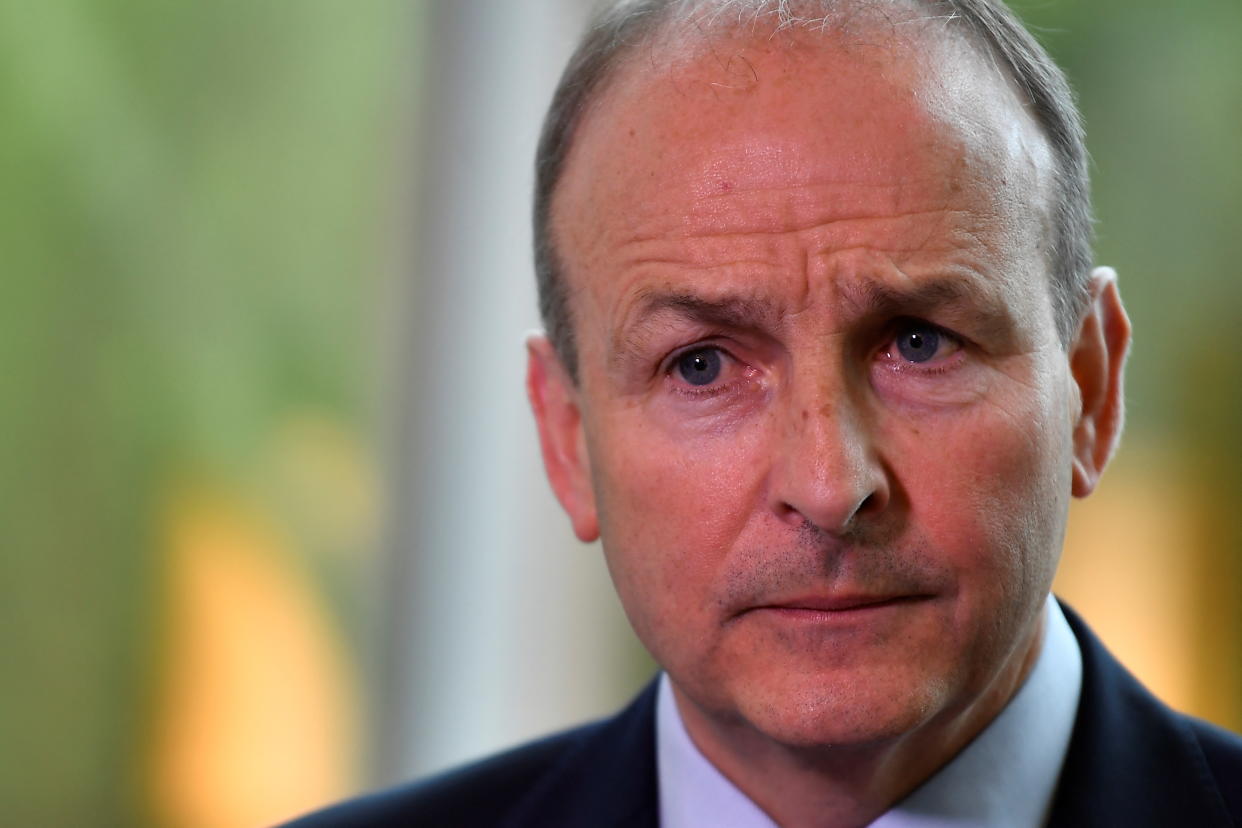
(872, 502)
(790, 514)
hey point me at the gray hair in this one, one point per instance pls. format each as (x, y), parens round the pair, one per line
(624, 24)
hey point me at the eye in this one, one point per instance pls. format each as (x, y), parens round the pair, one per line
(920, 342)
(699, 367)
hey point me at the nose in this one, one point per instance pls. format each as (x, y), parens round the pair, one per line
(827, 470)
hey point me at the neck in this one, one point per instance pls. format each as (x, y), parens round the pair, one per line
(841, 786)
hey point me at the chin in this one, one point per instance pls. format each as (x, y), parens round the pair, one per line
(808, 712)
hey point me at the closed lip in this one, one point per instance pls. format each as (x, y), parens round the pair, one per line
(838, 603)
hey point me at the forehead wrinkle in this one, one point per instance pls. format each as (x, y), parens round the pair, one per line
(909, 232)
(663, 258)
(809, 208)
(790, 251)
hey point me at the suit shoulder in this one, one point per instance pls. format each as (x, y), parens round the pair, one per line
(479, 793)
(1223, 752)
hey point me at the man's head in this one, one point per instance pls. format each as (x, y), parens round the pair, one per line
(828, 394)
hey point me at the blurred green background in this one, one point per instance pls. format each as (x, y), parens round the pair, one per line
(198, 230)
(204, 231)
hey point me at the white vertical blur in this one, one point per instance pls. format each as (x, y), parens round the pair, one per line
(501, 625)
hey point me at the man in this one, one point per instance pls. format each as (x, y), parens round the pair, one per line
(826, 360)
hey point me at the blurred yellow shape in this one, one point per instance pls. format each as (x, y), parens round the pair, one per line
(1153, 585)
(256, 715)
(326, 483)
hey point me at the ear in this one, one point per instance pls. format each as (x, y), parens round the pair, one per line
(1097, 363)
(554, 398)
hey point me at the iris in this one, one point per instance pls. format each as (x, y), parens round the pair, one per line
(918, 344)
(700, 367)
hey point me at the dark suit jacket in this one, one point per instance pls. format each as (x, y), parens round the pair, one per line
(1132, 762)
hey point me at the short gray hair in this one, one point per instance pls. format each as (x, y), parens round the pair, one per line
(625, 24)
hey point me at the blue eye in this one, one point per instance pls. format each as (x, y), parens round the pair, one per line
(918, 343)
(700, 367)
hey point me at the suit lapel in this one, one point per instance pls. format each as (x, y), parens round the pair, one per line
(607, 779)
(1131, 761)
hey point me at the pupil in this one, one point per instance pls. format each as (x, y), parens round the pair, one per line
(699, 367)
(918, 346)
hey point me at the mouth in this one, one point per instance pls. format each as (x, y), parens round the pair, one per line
(835, 607)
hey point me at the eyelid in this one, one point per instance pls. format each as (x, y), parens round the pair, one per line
(904, 323)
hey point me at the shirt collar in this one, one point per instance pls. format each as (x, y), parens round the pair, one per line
(1005, 777)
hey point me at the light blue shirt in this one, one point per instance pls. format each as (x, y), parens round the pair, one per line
(1005, 778)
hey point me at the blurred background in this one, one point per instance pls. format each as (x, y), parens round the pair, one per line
(272, 522)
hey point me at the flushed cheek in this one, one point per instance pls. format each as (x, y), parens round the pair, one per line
(670, 511)
(992, 494)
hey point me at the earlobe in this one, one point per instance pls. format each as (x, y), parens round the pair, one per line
(554, 399)
(1097, 363)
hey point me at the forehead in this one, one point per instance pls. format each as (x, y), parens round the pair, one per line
(750, 135)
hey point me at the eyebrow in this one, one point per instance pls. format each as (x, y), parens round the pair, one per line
(871, 298)
(734, 312)
(726, 311)
(988, 316)
(875, 297)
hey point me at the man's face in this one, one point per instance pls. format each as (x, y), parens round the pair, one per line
(825, 420)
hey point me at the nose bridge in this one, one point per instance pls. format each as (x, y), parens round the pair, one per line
(828, 468)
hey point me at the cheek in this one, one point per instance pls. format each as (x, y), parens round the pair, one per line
(670, 509)
(995, 489)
